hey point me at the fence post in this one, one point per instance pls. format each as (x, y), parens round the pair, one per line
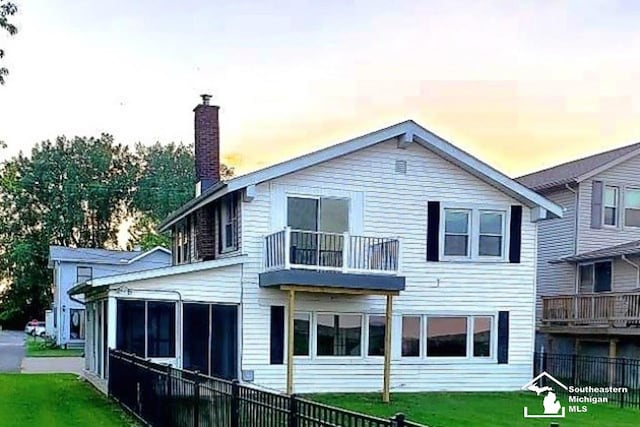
(554, 425)
(196, 399)
(235, 403)
(169, 399)
(398, 420)
(293, 411)
(624, 380)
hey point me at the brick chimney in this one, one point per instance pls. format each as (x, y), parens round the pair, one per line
(207, 144)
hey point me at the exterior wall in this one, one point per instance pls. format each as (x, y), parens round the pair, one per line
(556, 238)
(624, 174)
(67, 278)
(388, 204)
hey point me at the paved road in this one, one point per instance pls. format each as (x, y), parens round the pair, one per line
(11, 350)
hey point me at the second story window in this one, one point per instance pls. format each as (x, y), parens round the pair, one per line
(595, 277)
(229, 224)
(610, 205)
(490, 240)
(632, 207)
(457, 226)
(83, 274)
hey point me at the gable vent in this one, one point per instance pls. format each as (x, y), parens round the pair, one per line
(401, 166)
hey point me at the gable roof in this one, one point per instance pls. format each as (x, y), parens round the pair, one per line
(99, 256)
(577, 170)
(405, 132)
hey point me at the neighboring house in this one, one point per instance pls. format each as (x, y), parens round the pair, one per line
(78, 265)
(588, 275)
(289, 276)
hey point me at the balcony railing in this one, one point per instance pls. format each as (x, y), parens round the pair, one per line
(316, 250)
(615, 309)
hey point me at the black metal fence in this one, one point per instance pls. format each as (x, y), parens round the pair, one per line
(164, 396)
(584, 371)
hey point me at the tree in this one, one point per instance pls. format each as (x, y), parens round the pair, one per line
(167, 181)
(7, 10)
(71, 192)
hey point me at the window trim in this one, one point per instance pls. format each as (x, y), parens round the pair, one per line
(502, 235)
(229, 216)
(474, 232)
(616, 207)
(443, 231)
(78, 273)
(624, 206)
(593, 275)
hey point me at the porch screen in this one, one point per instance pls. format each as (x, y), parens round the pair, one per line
(130, 328)
(146, 328)
(161, 329)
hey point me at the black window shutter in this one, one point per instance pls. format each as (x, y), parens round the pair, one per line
(597, 192)
(433, 231)
(277, 335)
(218, 216)
(515, 234)
(503, 337)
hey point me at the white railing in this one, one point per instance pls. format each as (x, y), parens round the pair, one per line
(317, 250)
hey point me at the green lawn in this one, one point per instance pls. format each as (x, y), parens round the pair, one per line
(55, 400)
(38, 347)
(477, 409)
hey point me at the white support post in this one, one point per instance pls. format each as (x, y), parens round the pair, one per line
(287, 248)
(346, 244)
(112, 311)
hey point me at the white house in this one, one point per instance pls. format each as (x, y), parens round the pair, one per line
(77, 265)
(391, 261)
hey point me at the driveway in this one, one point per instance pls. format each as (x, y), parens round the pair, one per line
(11, 350)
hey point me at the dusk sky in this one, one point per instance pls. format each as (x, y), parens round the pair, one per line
(522, 85)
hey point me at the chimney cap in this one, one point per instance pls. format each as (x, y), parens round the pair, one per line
(205, 98)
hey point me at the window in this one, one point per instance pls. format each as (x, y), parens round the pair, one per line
(490, 241)
(146, 328)
(456, 232)
(411, 336)
(339, 335)
(595, 277)
(76, 324)
(482, 336)
(610, 203)
(602, 276)
(306, 216)
(301, 334)
(83, 274)
(446, 337)
(161, 321)
(460, 336)
(229, 224)
(632, 207)
(585, 278)
(377, 326)
(181, 244)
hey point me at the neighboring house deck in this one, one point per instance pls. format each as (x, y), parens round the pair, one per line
(391, 261)
(588, 275)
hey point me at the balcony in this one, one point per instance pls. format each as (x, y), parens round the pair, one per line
(299, 257)
(611, 312)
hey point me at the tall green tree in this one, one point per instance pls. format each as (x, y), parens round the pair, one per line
(70, 192)
(7, 10)
(167, 181)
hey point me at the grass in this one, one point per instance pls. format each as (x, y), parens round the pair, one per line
(39, 347)
(477, 409)
(54, 400)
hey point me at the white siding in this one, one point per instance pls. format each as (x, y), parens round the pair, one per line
(394, 205)
(625, 173)
(556, 238)
(221, 285)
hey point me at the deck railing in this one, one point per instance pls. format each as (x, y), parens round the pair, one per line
(316, 250)
(593, 309)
